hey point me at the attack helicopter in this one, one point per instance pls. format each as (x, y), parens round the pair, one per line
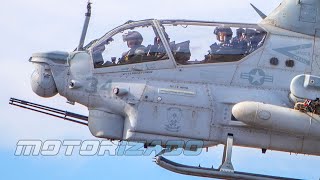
(253, 85)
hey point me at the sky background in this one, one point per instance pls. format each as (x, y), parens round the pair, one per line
(38, 26)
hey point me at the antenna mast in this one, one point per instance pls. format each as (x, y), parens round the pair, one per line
(85, 26)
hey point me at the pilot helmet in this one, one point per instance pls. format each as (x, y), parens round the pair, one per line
(223, 34)
(133, 37)
(240, 31)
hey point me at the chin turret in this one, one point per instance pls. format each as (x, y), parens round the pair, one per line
(42, 81)
(50, 75)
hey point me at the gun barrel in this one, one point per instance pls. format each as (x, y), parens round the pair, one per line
(65, 115)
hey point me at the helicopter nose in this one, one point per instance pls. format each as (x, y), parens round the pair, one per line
(42, 81)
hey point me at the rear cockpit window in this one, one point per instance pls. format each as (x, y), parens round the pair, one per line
(212, 43)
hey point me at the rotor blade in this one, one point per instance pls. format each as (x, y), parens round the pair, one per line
(261, 14)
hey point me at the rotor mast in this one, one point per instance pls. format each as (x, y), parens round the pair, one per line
(85, 26)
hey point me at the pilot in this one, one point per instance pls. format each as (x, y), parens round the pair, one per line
(218, 50)
(134, 40)
(238, 37)
(224, 35)
(240, 43)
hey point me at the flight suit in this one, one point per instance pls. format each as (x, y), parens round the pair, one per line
(134, 55)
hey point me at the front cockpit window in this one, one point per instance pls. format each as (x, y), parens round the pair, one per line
(131, 45)
(200, 43)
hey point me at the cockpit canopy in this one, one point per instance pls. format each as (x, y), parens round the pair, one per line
(185, 42)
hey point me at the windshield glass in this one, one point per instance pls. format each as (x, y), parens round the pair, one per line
(199, 43)
(135, 44)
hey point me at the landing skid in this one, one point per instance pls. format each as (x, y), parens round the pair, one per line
(225, 171)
